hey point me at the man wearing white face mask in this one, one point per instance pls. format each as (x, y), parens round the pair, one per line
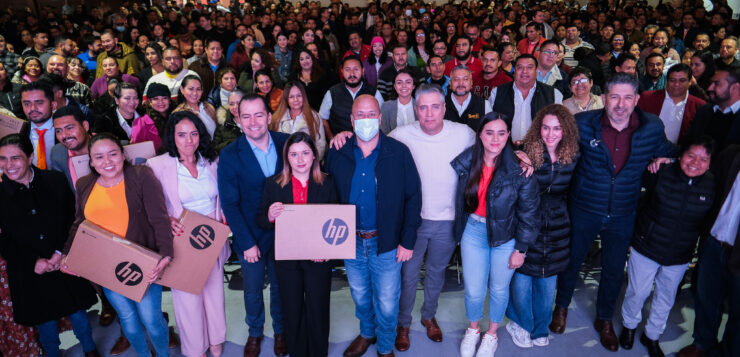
(378, 175)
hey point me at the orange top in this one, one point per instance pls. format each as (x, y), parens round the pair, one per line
(107, 208)
(485, 178)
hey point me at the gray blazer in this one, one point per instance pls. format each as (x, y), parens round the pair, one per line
(389, 114)
(60, 162)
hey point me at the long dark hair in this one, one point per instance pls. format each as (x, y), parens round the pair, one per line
(707, 58)
(206, 149)
(287, 173)
(470, 195)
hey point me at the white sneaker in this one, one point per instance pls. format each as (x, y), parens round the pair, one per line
(469, 341)
(487, 346)
(541, 342)
(519, 335)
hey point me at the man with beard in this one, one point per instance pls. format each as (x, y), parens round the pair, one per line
(90, 57)
(173, 72)
(653, 78)
(124, 55)
(701, 41)
(400, 61)
(75, 90)
(337, 103)
(490, 77)
(728, 54)
(38, 104)
(63, 46)
(521, 99)
(463, 57)
(463, 106)
(720, 118)
(72, 132)
(221, 33)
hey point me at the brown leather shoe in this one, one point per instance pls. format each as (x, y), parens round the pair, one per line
(691, 351)
(174, 338)
(606, 334)
(402, 338)
(359, 346)
(559, 316)
(252, 348)
(120, 346)
(279, 347)
(107, 315)
(386, 354)
(433, 331)
(93, 353)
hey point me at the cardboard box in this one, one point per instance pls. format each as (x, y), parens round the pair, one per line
(136, 154)
(10, 125)
(110, 261)
(315, 232)
(196, 251)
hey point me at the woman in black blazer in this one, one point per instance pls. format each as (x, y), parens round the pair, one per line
(301, 182)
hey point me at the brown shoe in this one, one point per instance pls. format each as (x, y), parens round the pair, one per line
(120, 346)
(559, 316)
(279, 347)
(606, 334)
(252, 348)
(691, 351)
(402, 338)
(174, 338)
(433, 331)
(386, 354)
(359, 346)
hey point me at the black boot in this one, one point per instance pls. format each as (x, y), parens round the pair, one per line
(653, 346)
(627, 338)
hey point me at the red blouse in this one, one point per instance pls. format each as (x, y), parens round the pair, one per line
(300, 192)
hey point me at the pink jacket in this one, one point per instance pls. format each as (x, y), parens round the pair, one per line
(144, 129)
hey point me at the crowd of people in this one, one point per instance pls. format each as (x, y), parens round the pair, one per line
(518, 132)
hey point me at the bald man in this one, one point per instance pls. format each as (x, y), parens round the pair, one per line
(388, 216)
(75, 90)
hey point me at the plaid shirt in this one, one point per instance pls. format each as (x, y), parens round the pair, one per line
(81, 93)
(10, 60)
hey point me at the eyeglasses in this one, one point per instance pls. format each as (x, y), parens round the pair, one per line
(420, 35)
(576, 82)
(550, 52)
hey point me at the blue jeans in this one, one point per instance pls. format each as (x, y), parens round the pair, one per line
(714, 284)
(486, 269)
(531, 302)
(616, 233)
(137, 317)
(253, 275)
(375, 284)
(49, 334)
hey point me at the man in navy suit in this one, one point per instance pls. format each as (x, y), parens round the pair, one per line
(244, 165)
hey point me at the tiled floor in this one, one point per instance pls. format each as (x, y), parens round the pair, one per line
(580, 339)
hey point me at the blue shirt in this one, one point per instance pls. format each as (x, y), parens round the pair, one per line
(364, 189)
(90, 62)
(267, 160)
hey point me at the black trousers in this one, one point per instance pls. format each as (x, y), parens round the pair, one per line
(305, 288)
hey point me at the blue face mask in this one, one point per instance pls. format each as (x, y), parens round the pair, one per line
(121, 28)
(366, 129)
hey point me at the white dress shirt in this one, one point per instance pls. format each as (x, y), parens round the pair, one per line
(672, 116)
(124, 124)
(728, 220)
(325, 109)
(197, 194)
(522, 119)
(49, 138)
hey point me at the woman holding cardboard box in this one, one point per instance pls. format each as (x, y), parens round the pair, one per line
(305, 286)
(35, 213)
(128, 201)
(188, 176)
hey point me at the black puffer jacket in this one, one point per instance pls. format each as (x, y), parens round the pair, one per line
(549, 255)
(671, 215)
(512, 201)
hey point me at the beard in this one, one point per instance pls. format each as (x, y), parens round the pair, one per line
(352, 84)
(463, 57)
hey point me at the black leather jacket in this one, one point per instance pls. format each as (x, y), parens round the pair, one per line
(512, 201)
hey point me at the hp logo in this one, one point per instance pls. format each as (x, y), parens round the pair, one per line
(335, 231)
(129, 273)
(202, 237)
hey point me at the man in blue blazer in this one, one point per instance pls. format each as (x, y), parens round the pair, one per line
(244, 165)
